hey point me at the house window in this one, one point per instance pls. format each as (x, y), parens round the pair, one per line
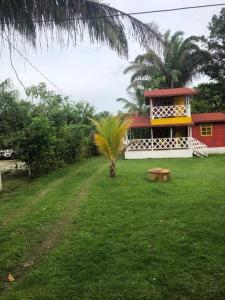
(206, 129)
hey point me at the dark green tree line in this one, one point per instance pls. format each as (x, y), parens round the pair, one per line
(47, 129)
(211, 95)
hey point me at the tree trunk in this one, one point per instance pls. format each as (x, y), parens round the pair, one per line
(0, 182)
(112, 169)
(29, 170)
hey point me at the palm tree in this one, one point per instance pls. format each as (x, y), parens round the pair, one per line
(34, 20)
(137, 102)
(175, 66)
(110, 138)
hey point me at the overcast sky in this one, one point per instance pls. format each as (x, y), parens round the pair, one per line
(94, 73)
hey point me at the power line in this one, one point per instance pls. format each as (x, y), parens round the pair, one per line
(176, 9)
(120, 14)
(30, 63)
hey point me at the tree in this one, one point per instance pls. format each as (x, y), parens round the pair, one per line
(37, 146)
(30, 20)
(212, 94)
(47, 132)
(14, 114)
(74, 142)
(215, 44)
(137, 102)
(210, 98)
(110, 138)
(175, 66)
(102, 114)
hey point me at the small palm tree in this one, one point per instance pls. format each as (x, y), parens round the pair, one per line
(137, 102)
(110, 138)
(178, 62)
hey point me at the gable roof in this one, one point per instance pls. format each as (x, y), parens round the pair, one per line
(208, 117)
(170, 92)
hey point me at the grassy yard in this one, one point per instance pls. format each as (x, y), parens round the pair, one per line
(78, 234)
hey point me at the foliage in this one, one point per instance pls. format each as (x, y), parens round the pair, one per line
(215, 44)
(175, 66)
(213, 93)
(14, 114)
(137, 102)
(37, 145)
(68, 20)
(46, 131)
(74, 142)
(110, 138)
(210, 98)
(102, 114)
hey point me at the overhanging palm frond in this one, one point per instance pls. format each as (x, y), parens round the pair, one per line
(104, 24)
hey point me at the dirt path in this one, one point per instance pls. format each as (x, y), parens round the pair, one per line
(59, 231)
(37, 197)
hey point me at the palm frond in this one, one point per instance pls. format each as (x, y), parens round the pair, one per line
(68, 20)
(146, 83)
(128, 105)
(103, 145)
(110, 135)
(179, 62)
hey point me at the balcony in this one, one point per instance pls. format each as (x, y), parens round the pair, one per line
(158, 112)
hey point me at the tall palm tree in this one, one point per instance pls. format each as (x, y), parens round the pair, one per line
(110, 138)
(33, 20)
(174, 66)
(137, 102)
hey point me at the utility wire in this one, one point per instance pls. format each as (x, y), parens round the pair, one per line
(30, 63)
(14, 69)
(175, 9)
(120, 14)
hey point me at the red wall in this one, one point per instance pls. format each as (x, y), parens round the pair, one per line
(218, 135)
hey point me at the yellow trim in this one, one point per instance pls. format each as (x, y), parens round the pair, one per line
(168, 121)
(206, 127)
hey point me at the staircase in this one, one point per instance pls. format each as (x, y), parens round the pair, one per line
(199, 149)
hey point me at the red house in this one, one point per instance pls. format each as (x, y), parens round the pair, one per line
(209, 128)
(171, 130)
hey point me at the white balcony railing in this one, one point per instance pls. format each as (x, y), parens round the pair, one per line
(167, 144)
(170, 111)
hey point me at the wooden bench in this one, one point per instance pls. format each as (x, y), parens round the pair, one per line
(158, 174)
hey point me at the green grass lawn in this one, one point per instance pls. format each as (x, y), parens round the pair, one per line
(78, 234)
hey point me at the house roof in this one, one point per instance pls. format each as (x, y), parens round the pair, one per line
(208, 117)
(170, 92)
